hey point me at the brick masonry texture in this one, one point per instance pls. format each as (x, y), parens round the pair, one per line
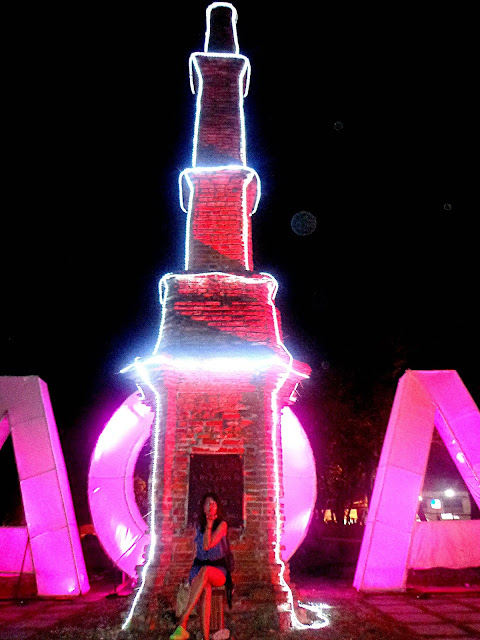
(220, 225)
(219, 131)
(220, 311)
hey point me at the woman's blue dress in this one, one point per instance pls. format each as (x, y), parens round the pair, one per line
(215, 553)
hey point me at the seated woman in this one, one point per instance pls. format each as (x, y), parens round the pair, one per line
(209, 567)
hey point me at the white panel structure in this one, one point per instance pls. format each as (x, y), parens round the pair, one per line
(423, 399)
(50, 543)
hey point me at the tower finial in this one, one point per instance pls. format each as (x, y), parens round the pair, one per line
(221, 33)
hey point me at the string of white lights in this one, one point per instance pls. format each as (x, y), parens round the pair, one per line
(153, 493)
(296, 624)
(234, 18)
(318, 610)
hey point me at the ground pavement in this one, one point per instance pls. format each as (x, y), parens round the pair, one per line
(436, 615)
(442, 615)
(430, 613)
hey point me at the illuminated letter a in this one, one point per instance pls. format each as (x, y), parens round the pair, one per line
(424, 399)
(50, 544)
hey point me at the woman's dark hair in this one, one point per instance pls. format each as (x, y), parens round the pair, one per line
(202, 518)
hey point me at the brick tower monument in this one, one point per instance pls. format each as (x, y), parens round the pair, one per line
(220, 373)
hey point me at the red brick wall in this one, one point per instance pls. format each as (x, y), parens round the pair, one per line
(219, 310)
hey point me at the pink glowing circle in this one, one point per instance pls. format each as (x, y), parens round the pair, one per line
(117, 520)
(118, 523)
(299, 482)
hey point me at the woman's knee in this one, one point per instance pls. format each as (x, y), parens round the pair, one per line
(215, 577)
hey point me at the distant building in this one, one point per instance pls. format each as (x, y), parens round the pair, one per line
(445, 505)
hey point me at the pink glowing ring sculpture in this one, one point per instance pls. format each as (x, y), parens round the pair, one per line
(299, 483)
(118, 523)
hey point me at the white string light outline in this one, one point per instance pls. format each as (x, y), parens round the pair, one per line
(153, 491)
(234, 18)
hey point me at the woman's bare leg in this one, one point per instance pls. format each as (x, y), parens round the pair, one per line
(207, 577)
(196, 588)
(206, 604)
(202, 606)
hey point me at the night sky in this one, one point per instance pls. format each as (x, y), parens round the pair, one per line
(362, 117)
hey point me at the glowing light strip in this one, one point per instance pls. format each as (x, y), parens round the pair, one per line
(189, 212)
(221, 365)
(278, 529)
(293, 397)
(278, 525)
(245, 218)
(277, 482)
(241, 95)
(234, 18)
(251, 173)
(318, 610)
(231, 276)
(162, 293)
(153, 477)
(273, 293)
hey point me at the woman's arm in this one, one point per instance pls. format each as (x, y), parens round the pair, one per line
(211, 539)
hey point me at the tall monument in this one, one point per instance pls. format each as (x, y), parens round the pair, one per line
(220, 373)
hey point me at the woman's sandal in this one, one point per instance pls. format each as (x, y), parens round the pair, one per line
(180, 634)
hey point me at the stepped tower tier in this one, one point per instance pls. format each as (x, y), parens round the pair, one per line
(219, 202)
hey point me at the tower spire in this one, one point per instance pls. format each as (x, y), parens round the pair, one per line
(221, 33)
(219, 192)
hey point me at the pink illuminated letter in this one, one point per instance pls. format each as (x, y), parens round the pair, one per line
(50, 541)
(424, 399)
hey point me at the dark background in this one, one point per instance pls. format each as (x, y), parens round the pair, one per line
(362, 116)
(223, 475)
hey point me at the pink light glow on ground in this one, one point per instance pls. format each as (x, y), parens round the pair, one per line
(116, 518)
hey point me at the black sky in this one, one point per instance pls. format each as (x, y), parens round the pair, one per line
(100, 122)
